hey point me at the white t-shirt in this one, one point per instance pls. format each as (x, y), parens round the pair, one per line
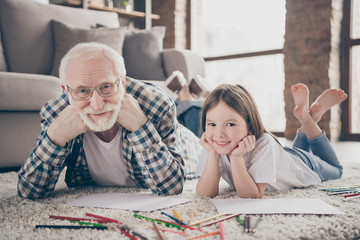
(106, 165)
(268, 163)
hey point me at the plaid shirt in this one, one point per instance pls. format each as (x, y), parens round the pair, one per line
(155, 155)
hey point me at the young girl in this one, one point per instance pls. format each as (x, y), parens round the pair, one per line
(249, 158)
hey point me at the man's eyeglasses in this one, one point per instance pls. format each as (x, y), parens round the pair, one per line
(105, 90)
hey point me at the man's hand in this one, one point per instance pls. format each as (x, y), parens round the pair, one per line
(66, 126)
(245, 145)
(131, 116)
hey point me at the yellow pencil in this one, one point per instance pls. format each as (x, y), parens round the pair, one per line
(207, 219)
(177, 215)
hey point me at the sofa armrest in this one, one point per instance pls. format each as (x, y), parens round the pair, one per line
(26, 92)
(185, 61)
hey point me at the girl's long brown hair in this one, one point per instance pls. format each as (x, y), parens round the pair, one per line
(238, 99)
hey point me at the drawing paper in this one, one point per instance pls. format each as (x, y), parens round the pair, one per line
(134, 202)
(274, 206)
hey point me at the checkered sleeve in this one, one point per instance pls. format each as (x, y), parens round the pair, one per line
(41, 170)
(158, 152)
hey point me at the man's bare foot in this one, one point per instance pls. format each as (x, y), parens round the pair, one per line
(300, 93)
(325, 101)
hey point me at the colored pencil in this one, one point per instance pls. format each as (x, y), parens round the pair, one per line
(77, 219)
(256, 223)
(158, 221)
(206, 219)
(177, 215)
(71, 227)
(124, 232)
(172, 218)
(246, 224)
(339, 187)
(157, 231)
(221, 230)
(239, 220)
(351, 195)
(180, 225)
(132, 232)
(350, 198)
(221, 219)
(205, 235)
(191, 217)
(341, 192)
(87, 223)
(108, 220)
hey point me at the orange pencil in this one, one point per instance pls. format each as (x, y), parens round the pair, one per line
(205, 235)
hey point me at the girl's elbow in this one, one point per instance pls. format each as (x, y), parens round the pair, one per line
(201, 193)
(206, 195)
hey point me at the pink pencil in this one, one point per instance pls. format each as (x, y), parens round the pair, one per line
(221, 229)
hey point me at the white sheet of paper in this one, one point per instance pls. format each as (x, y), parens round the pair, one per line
(134, 202)
(274, 206)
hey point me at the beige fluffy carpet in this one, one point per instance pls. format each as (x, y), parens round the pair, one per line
(18, 217)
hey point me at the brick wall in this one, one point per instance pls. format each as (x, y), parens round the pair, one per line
(174, 17)
(311, 51)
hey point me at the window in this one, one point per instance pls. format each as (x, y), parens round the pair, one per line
(242, 43)
(351, 114)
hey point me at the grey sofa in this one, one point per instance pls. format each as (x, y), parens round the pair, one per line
(31, 46)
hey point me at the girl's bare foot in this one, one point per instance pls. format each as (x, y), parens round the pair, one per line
(184, 94)
(325, 101)
(300, 93)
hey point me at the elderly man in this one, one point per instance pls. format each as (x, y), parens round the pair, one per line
(108, 130)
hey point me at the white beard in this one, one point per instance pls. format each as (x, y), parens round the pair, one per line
(104, 123)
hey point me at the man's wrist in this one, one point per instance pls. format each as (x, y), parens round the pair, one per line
(53, 137)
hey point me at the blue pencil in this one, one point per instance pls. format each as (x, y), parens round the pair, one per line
(176, 220)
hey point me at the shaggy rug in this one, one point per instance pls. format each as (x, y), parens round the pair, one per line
(18, 216)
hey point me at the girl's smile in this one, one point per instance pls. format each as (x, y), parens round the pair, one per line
(225, 128)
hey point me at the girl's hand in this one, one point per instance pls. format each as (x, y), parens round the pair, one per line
(205, 144)
(245, 145)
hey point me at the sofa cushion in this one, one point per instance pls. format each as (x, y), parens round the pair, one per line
(2, 57)
(67, 36)
(142, 53)
(26, 92)
(27, 36)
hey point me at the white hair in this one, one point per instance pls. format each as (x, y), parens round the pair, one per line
(91, 50)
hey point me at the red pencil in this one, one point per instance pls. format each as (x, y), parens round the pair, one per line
(127, 234)
(103, 218)
(77, 219)
(351, 195)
